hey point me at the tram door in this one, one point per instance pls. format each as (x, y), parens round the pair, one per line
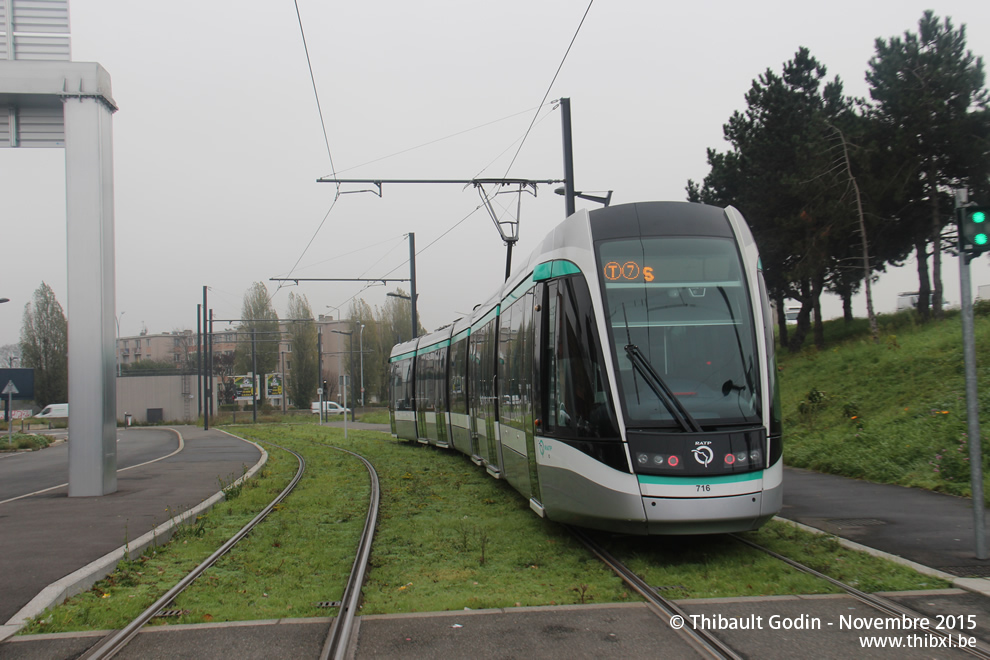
(539, 305)
(489, 398)
(482, 395)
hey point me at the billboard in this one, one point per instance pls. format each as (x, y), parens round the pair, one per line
(244, 388)
(274, 384)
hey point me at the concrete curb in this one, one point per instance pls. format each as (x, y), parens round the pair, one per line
(87, 576)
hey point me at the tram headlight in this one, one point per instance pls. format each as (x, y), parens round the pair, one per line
(741, 456)
(642, 459)
(659, 459)
(755, 455)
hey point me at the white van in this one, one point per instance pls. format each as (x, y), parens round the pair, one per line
(54, 411)
(329, 408)
(909, 300)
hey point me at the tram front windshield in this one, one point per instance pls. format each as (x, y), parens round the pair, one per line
(684, 303)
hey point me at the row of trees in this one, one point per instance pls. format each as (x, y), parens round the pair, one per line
(44, 346)
(837, 188)
(382, 328)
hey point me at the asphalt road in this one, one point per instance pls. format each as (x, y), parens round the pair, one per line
(47, 536)
(28, 472)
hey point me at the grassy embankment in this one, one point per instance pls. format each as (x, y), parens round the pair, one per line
(892, 412)
(449, 537)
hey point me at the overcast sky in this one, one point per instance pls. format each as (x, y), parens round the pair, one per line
(218, 141)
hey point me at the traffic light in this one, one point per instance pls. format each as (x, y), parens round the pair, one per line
(974, 229)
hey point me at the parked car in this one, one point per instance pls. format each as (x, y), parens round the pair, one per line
(54, 411)
(329, 408)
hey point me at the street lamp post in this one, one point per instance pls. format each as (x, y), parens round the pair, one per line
(341, 332)
(117, 342)
(284, 392)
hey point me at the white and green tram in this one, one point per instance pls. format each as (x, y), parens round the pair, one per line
(622, 379)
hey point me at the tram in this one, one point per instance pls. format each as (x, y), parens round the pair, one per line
(622, 379)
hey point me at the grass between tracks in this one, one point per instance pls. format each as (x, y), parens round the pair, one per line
(449, 537)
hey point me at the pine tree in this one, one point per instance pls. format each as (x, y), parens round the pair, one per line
(927, 92)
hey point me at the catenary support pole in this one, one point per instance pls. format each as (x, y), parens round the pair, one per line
(209, 369)
(254, 375)
(206, 385)
(565, 120)
(412, 282)
(199, 359)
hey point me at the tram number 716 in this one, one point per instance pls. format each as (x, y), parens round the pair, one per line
(703, 488)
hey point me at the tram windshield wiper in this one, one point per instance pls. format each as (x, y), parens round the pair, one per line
(667, 397)
(664, 393)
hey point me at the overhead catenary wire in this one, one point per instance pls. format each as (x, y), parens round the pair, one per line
(326, 140)
(397, 239)
(447, 137)
(312, 78)
(550, 86)
(488, 197)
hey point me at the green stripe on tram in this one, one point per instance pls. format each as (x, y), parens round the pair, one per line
(690, 480)
(433, 347)
(555, 268)
(404, 356)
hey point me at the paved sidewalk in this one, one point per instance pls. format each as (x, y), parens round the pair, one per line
(49, 536)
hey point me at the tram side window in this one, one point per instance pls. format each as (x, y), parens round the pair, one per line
(579, 404)
(458, 377)
(425, 382)
(520, 374)
(505, 364)
(439, 372)
(402, 394)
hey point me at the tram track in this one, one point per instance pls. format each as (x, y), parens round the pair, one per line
(338, 640)
(709, 645)
(883, 605)
(339, 635)
(701, 640)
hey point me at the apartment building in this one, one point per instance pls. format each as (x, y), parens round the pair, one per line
(172, 347)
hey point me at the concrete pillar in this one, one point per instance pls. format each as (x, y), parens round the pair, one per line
(91, 305)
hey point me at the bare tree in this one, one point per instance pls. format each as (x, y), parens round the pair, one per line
(45, 347)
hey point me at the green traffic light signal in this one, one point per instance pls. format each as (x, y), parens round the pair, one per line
(974, 234)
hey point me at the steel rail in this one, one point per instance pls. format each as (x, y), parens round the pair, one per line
(338, 639)
(114, 642)
(702, 640)
(888, 607)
